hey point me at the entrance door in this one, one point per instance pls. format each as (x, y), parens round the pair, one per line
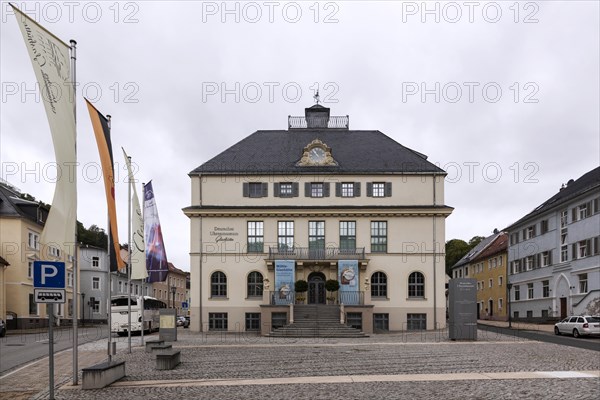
(491, 305)
(563, 307)
(316, 288)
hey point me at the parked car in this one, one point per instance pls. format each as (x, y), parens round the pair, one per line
(2, 328)
(578, 325)
(182, 321)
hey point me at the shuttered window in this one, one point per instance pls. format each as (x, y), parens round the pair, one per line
(347, 189)
(379, 189)
(285, 189)
(255, 189)
(316, 189)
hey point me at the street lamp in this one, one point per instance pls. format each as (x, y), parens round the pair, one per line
(509, 286)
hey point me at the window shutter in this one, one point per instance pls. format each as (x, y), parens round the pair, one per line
(596, 250)
(276, 190)
(388, 189)
(549, 257)
(369, 189)
(596, 205)
(295, 189)
(574, 248)
(326, 189)
(356, 189)
(246, 189)
(574, 214)
(588, 209)
(538, 261)
(534, 230)
(524, 233)
(307, 189)
(338, 189)
(265, 189)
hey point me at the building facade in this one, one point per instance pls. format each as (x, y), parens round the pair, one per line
(489, 269)
(21, 225)
(94, 267)
(313, 203)
(173, 289)
(554, 254)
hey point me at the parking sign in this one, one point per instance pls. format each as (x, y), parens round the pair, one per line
(49, 274)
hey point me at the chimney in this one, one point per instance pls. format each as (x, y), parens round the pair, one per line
(317, 116)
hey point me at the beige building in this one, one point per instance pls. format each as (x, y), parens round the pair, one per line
(173, 289)
(21, 225)
(317, 202)
(489, 268)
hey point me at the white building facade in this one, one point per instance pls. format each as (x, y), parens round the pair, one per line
(314, 203)
(554, 254)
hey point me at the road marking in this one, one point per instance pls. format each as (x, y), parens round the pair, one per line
(358, 379)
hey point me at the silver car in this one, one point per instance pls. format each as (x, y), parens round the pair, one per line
(578, 325)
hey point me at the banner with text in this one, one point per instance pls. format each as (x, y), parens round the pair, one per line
(51, 63)
(285, 275)
(138, 249)
(348, 276)
(156, 256)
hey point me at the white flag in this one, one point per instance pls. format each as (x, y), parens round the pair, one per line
(138, 248)
(51, 64)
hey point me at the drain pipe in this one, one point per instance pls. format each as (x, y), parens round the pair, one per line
(434, 257)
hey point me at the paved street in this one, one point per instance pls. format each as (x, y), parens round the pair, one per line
(415, 365)
(18, 348)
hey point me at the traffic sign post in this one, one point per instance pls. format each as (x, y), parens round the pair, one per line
(49, 288)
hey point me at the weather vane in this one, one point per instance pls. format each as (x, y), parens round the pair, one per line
(316, 97)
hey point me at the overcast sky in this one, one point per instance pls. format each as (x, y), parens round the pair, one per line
(504, 97)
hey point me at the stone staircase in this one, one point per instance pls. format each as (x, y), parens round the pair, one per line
(317, 320)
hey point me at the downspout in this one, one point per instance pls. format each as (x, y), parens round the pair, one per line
(434, 258)
(201, 256)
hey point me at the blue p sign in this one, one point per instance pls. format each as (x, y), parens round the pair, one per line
(49, 274)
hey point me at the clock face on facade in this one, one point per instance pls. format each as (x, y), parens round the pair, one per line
(317, 155)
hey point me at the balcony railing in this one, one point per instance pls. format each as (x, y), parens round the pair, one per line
(341, 297)
(324, 122)
(306, 253)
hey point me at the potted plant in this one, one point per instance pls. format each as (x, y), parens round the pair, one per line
(332, 286)
(300, 286)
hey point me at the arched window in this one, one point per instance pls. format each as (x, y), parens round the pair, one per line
(218, 284)
(255, 284)
(416, 285)
(379, 285)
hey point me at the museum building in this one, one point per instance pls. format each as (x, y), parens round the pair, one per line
(317, 202)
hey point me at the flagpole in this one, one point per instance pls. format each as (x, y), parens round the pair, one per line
(129, 219)
(75, 309)
(143, 281)
(108, 117)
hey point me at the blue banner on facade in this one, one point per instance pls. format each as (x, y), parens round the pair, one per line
(349, 293)
(285, 274)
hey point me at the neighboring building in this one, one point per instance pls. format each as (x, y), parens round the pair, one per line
(21, 225)
(464, 267)
(317, 202)
(489, 269)
(173, 289)
(554, 254)
(93, 265)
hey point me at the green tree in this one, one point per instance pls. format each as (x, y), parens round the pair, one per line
(455, 250)
(94, 236)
